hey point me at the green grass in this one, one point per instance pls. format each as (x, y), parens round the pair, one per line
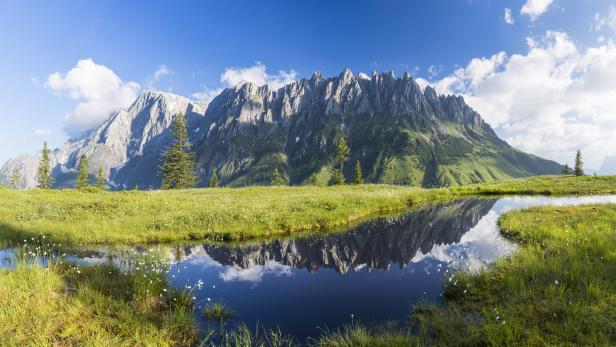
(90, 306)
(217, 312)
(227, 214)
(558, 289)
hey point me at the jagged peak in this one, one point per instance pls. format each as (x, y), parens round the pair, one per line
(346, 74)
(430, 93)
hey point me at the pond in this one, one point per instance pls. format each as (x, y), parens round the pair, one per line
(372, 273)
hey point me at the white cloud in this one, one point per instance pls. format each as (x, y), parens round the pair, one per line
(99, 90)
(256, 74)
(207, 94)
(435, 70)
(42, 132)
(508, 16)
(161, 71)
(255, 273)
(550, 101)
(607, 21)
(535, 8)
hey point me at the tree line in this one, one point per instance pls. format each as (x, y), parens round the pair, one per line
(578, 166)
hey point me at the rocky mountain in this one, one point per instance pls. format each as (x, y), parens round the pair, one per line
(400, 133)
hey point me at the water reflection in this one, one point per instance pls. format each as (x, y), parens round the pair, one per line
(376, 271)
(374, 245)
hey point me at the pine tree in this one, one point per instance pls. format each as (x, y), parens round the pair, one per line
(566, 170)
(578, 169)
(314, 179)
(342, 155)
(83, 173)
(15, 179)
(178, 168)
(277, 179)
(101, 180)
(213, 180)
(359, 179)
(43, 177)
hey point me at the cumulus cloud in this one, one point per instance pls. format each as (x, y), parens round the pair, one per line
(99, 91)
(535, 8)
(508, 16)
(256, 74)
(552, 100)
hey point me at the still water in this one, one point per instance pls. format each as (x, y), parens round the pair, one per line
(372, 273)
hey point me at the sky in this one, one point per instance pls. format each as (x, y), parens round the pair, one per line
(541, 72)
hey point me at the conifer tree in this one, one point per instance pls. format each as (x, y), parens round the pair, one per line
(277, 179)
(101, 180)
(566, 170)
(43, 176)
(314, 179)
(178, 168)
(213, 180)
(15, 179)
(342, 155)
(578, 169)
(83, 173)
(359, 179)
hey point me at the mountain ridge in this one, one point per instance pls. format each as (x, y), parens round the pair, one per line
(400, 133)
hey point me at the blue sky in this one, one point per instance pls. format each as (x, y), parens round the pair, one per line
(191, 43)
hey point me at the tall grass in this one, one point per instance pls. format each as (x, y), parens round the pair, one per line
(226, 214)
(67, 304)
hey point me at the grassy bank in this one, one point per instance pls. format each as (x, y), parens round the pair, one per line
(558, 289)
(225, 214)
(91, 306)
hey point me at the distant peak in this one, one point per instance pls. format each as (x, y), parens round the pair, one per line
(316, 75)
(346, 74)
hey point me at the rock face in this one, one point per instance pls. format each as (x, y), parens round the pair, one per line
(138, 134)
(399, 133)
(375, 245)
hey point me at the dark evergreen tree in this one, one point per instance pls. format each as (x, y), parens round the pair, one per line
(43, 177)
(359, 179)
(213, 180)
(83, 173)
(277, 179)
(101, 180)
(566, 170)
(15, 179)
(178, 168)
(342, 155)
(578, 169)
(314, 179)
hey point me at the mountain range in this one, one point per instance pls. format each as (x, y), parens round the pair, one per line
(399, 133)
